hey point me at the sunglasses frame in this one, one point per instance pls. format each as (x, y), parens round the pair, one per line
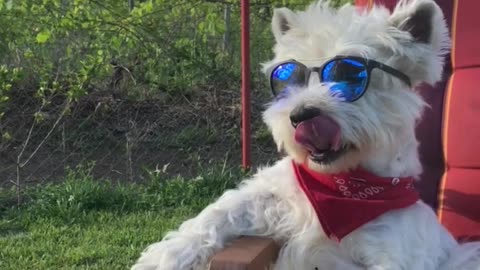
(368, 63)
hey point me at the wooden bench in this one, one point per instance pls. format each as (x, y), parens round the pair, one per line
(246, 253)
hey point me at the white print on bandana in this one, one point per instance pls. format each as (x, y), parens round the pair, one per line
(359, 191)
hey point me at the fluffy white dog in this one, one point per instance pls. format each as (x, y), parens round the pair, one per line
(344, 113)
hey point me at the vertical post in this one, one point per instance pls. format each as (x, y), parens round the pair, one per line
(245, 44)
(131, 4)
(226, 35)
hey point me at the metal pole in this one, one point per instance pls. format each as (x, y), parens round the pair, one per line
(131, 4)
(245, 43)
(226, 35)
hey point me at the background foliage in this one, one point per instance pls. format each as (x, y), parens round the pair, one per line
(126, 84)
(73, 47)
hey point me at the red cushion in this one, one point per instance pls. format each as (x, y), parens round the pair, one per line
(460, 201)
(462, 120)
(466, 32)
(460, 191)
(459, 208)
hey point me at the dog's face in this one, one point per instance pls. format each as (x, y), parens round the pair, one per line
(337, 113)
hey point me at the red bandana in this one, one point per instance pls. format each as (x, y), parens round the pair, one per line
(345, 201)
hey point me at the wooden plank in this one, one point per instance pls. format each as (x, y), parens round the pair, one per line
(246, 253)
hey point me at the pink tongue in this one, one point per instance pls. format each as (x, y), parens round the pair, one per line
(318, 134)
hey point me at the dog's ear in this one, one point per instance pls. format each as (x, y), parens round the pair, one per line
(283, 20)
(424, 20)
(424, 25)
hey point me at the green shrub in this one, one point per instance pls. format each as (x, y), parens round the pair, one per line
(73, 47)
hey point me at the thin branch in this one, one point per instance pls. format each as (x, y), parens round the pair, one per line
(14, 183)
(129, 73)
(19, 157)
(48, 134)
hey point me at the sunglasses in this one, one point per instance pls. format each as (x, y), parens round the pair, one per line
(349, 76)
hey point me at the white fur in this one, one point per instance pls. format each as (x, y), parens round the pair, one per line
(381, 125)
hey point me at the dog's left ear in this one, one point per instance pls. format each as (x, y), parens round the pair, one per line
(425, 22)
(283, 21)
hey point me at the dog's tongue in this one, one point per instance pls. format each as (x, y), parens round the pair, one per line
(318, 134)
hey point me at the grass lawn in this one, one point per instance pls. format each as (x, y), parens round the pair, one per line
(85, 223)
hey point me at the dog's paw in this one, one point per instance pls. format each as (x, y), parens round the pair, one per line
(145, 267)
(152, 263)
(158, 256)
(379, 267)
(177, 253)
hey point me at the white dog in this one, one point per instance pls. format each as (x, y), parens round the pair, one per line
(345, 113)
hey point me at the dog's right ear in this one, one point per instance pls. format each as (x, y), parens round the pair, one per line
(429, 40)
(283, 20)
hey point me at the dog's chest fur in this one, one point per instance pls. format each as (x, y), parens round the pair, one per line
(308, 247)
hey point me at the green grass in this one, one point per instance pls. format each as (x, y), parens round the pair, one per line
(84, 223)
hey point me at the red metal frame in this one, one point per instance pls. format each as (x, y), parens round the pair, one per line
(245, 43)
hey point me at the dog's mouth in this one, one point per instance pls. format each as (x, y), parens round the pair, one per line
(321, 137)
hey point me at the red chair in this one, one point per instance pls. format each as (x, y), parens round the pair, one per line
(449, 153)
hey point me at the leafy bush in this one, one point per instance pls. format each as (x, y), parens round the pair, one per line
(72, 47)
(55, 52)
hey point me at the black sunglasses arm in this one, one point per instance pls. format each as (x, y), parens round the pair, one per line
(392, 71)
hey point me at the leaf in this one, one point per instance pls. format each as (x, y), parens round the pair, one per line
(148, 7)
(28, 53)
(9, 4)
(43, 36)
(69, 51)
(39, 117)
(6, 135)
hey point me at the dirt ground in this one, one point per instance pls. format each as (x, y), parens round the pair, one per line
(127, 139)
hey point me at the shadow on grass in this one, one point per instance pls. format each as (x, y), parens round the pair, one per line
(68, 202)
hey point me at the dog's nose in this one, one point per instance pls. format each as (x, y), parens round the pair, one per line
(300, 114)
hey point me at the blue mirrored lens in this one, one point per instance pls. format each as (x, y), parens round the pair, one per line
(349, 78)
(286, 76)
(284, 72)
